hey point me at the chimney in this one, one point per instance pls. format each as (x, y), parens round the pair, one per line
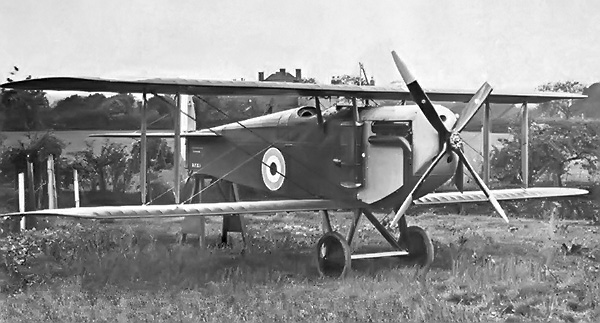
(282, 70)
(298, 74)
(261, 76)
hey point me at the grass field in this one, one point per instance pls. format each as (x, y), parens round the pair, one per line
(484, 271)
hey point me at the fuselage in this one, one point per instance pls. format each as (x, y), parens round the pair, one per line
(290, 154)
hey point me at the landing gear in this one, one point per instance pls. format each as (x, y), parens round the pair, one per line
(420, 247)
(333, 255)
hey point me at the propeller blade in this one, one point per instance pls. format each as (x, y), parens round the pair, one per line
(420, 97)
(473, 106)
(459, 177)
(482, 185)
(409, 198)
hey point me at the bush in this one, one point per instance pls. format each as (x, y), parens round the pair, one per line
(109, 169)
(13, 160)
(554, 150)
(36, 256)
(158, 154)
(557, 149)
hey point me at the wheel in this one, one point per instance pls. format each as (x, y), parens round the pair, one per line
(420, 248)
(333, 255)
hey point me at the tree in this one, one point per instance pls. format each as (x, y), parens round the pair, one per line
(158, 155)
(310, 80)
(110, 168)
(37, 148)
(79, 112)
(75, 103)
(559, 108)
(351, 80)
(119, 104)
(21, 109)
(161, 106)
(555, 147)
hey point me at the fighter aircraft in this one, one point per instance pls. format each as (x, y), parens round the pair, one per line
(364, 158)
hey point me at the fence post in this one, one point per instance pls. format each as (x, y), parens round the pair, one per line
(22, 199)
(31, 201)
(52, 198)
(76, 187)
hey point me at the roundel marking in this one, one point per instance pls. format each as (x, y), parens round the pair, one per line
(273, 169)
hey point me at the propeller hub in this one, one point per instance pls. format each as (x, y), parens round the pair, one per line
(455, 141)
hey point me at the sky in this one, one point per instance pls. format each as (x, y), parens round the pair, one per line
(451, 44)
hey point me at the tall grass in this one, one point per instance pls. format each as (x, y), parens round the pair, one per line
(125, 274)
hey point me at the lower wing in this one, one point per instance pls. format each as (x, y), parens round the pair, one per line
(179, 210)
(501, 195)
(226, 208)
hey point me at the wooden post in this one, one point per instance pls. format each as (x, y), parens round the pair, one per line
(486, 142)
(76, 187)
(525, 146)
(143, 152)
(22, 199)
(52, 199)
(30, 201)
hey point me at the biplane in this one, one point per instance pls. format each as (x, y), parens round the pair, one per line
(361, 157)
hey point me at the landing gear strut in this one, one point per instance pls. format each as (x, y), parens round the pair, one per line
(334, 255)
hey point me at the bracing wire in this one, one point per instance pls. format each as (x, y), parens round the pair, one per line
(238, 147)
(263, 139)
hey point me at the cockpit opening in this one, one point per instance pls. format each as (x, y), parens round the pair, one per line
(307, 111)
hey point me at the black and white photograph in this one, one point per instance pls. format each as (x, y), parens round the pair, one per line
(299, 161)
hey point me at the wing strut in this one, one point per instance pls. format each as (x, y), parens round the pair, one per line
(319, 112)
(144, 151)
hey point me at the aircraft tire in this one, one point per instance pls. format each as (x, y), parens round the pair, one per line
(420, 247)
(333, 255)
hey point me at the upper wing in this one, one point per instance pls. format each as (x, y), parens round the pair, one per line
(178, 210)
(503, 194)
(205, 87)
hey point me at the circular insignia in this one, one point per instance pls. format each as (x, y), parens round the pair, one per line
(273, 169)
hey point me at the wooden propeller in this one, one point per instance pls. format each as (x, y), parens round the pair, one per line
(452, 142)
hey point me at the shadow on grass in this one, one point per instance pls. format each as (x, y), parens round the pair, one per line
(166, 264)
